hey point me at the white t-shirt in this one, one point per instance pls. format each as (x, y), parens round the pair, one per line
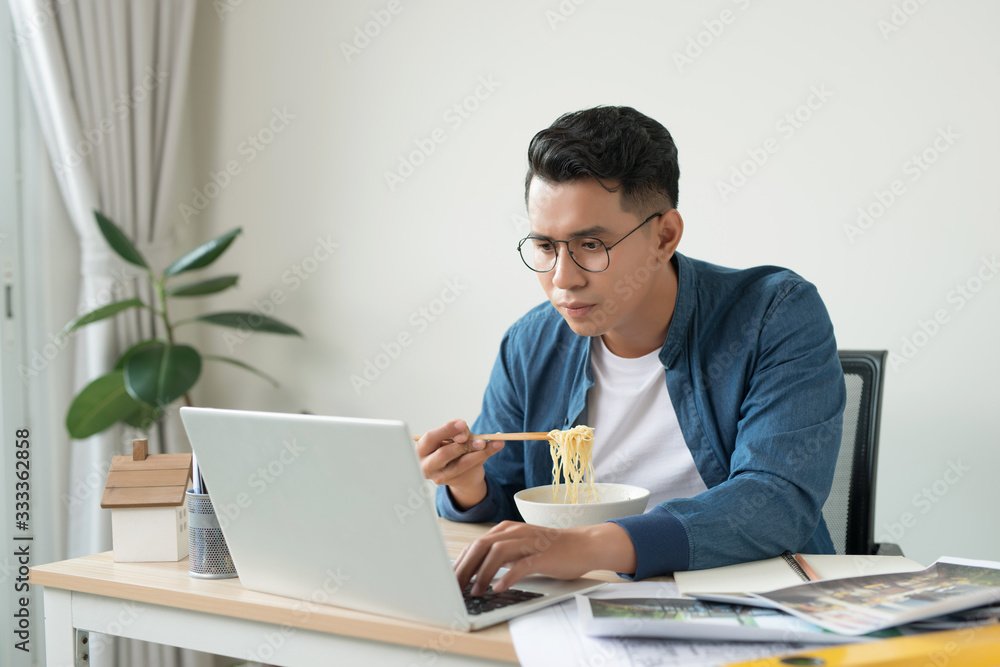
(637, 439)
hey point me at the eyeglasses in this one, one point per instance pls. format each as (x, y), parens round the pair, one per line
(540, 254)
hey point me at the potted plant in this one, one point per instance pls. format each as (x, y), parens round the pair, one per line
(153, 373)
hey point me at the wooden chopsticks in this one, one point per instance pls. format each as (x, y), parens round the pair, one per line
(506, 436)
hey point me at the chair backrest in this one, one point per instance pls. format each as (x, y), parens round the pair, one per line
(850, 510)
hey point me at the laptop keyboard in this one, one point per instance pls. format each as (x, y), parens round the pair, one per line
(477, 604)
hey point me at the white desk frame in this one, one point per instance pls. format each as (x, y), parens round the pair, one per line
(70, 616)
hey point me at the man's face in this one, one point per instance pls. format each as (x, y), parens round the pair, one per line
(614, 300)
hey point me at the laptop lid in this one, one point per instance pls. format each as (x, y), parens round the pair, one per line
(327, 509)
(336, 510)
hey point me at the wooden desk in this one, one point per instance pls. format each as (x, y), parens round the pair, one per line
(162, 603)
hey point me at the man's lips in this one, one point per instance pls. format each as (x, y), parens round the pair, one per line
(576, 309)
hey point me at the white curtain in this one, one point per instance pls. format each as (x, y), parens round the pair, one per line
(109, 78)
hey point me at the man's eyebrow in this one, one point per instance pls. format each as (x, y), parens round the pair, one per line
(596, 230)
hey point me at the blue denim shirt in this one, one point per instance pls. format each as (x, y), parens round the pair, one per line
(751, 365)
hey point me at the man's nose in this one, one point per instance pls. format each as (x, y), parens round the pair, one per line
(567, 273)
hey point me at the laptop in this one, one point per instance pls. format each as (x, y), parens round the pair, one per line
(335, 510)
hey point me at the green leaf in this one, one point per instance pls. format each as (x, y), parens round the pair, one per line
(145, 417)
(203, 255)
(159, 373)
(100, 405)
(245, 320)
(119, 242)
(120, 364)
(237, 362)
(210, 286)
(102, 313)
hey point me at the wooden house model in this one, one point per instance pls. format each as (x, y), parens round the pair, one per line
(146, 496)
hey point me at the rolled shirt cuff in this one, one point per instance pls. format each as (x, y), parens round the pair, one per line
(483, 512)
(660, 541)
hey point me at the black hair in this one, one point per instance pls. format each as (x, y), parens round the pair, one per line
(616, 144)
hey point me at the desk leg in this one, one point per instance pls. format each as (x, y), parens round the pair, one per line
(60, 635)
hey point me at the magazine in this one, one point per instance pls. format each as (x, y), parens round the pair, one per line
(861, 605)
(640, 610)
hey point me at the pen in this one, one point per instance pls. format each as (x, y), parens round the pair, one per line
(196, 481)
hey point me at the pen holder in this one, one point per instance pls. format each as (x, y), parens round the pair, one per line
(208, 554)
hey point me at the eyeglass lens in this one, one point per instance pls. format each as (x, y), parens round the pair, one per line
(588, 253)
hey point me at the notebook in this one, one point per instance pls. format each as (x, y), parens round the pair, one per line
(335, 510)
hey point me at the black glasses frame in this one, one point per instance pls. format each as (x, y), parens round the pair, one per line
(554, 242)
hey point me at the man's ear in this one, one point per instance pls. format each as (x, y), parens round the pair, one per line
(669, 229)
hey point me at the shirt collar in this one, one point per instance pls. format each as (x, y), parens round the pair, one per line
(680, 321)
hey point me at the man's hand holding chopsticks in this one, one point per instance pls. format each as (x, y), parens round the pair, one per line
(450, 456)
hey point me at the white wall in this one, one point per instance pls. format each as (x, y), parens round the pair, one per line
(885, 98)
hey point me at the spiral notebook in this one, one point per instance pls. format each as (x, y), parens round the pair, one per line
(792, 560)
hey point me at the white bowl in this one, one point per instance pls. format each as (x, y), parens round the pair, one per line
(614, 501)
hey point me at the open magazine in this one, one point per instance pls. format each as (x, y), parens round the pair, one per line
(631, 610)
(952, 593)
(861, 605)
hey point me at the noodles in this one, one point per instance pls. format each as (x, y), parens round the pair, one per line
(573, 456)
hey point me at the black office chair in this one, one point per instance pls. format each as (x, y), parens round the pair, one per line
(850, 510)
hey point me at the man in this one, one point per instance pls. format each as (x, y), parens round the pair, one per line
(718, 389)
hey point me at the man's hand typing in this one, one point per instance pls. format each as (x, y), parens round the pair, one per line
(526, 549)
